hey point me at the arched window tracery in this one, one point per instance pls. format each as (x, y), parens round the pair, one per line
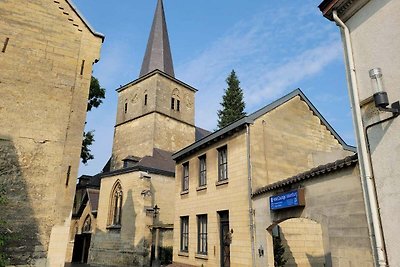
(116, 205)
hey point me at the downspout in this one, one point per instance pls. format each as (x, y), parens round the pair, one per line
(370, 198)
(250, 192)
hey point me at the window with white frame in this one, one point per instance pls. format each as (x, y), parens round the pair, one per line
(184, 233)
(222, 163)
(185, 176)
(202, 234)
(202, 170)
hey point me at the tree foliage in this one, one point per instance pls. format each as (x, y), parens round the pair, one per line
(232, 102)
(88, 139)
(96, 96)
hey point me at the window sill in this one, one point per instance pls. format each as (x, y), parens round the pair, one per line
(218, 183)
(114, 227)
(201, 188)
(184, 192)
(183, 254)
(201, 256)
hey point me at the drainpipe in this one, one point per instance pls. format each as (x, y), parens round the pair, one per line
(250, 191)
(367, 179)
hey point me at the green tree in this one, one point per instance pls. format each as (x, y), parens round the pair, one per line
(96, 96)
(232, 102)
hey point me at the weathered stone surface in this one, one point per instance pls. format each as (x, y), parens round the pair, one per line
(43, 109)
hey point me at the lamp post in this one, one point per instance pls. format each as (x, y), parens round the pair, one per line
(156, 262)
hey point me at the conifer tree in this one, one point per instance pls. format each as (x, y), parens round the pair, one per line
(279, 251)
(232, 102)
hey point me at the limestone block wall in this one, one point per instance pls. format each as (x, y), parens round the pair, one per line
(46, 56)
(130, 246)
(302, 240)
(375, 36)
(232, 197)
(335, 201)
(285, 140)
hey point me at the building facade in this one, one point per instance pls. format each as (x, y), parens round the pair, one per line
(155, 117)
(371, 39)
(47, 53)
(215, 178)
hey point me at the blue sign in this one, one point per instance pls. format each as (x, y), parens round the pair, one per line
(286, 200)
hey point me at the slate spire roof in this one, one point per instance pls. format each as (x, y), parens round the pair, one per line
(158, 52)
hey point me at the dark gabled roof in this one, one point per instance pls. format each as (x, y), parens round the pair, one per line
(158, 51)
(311, 174)
(239, 124)
(88, 181)
(159, 163)
(93, 195)
(201, 133)
(85, 21)
(156, 71)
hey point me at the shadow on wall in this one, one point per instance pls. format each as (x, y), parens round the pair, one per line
(18, 225)
(115, 247)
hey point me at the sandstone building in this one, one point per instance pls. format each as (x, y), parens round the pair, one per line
(47, 53)
(371, 39)
(221, 216)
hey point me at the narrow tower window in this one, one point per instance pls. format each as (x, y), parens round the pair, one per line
(172, 103)
(178, 105)
(126, 107)
(82, 66)
(145, 99)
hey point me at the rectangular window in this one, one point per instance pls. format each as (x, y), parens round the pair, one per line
(145, 100)
(172, 103)
(185, 233)
(185, 178)
(202, 234)
(178, 105)
(222, 163)
(126, 107)
(202, 170)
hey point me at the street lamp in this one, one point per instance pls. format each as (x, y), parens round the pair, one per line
(380, 96)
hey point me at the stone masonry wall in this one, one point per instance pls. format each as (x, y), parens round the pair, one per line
(47, 56)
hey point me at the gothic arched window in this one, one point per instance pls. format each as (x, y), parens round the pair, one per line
(116, 205)
(87, 225)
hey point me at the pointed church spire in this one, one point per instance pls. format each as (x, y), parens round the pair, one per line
(158, 51)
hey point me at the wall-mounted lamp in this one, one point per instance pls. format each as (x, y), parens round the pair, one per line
(380, 96)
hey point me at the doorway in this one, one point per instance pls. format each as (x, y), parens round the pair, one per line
(225, 238)
(81, 248)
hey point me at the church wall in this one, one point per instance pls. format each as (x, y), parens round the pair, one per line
(133, 138)
(289, 140)
(172, 135)
(232, 196)
(130, 246)
(43, 106)
(166, 89)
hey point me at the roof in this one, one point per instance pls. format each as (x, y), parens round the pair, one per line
(311, 174)
(158, 51)
(154, 72)
(93, 195)
(345, 8)
(240, 124)
(159, 163)
(85, 21)
(200, 133)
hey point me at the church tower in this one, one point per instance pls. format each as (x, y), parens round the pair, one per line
(156, 110)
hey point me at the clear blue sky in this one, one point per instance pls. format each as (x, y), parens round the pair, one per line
(274, 47)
